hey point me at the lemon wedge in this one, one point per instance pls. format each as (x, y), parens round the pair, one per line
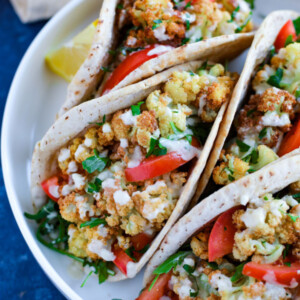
(66, 60)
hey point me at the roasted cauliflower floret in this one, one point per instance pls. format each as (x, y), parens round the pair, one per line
(146, 125)
(80, 151)
(274, 99)
(232, 169)
(91, 138)
(184, 87)
(120, 130)
(68, 209)
(133, 224)
(78, 241)
(199, 244)
(105, 135)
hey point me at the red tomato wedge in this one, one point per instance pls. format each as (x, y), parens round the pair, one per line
(157, 165)
(131, 62)
(287, 29)
(121, 260)
(291, 141)
(50, 187)
(158, 290)
(141, 240)
(221, 238)
(282, 274)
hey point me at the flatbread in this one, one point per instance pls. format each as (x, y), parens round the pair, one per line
(264, 39)
(270, 179)
(79, 118)
(90, 75)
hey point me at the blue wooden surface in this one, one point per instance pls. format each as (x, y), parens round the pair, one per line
(20, 275)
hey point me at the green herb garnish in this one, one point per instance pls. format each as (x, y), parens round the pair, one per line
(275, 80)
(242, 146)
(293, 218)
(136, 109)
(105, 69)
(251, 2)
(156, 148)
(262, 133)
(185, 41)
(156, 23)
(297, 25)
(234, 14)
(240, 28)
(94, 187)
(289, 40)
(129, 252)
(48, 208)
(238, 273)
(93, 223)
(189, 4)
(172, 262)
(95, 162)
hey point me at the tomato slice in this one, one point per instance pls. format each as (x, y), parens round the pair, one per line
(50, 187)
(141, 240)
(292, 140)
(157, 165)
(287, 29)
(131, 62)
(281, 274)
(154, 166)
(121, 260)
(221, 238)
(158, 290)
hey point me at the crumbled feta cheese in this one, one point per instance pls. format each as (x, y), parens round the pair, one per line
(53, 190)
(121, 197)
(124, 143)
(64, 154)
(106, 128)
(136, 158)
(254, 217)
(109, 183)
(128, 118)
(160, 34)
(79, 181)
(154, 187)
(274, 119)
(97, 247)
(72, 167)
(88, 142)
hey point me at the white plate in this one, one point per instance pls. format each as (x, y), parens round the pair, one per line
(34, 98)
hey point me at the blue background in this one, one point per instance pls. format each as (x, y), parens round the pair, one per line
(20, 275)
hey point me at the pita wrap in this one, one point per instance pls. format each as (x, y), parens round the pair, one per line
(270, 179)
(264, 39)
(90, 76)
(78, 119)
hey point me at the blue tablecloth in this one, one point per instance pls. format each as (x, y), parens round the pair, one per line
(20, 275)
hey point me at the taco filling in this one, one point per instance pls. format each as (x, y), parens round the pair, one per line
(117, 183)
(149, 28)
(268, 126)
(248, 252)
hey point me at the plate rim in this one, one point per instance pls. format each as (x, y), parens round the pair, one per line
(31, 242)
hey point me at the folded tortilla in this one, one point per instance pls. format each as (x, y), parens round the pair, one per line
(90, 75)
(264, 39)
(270, 179)
(75, 121)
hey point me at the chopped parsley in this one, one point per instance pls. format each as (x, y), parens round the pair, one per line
(238, 272)
(293, 218)
(156, 148)
(95, 162)
(275, 80)
(101, 123)
(94, 187)
(185, 41)
(120, 6)
(262, 133)
(250, 112)
(297, 25)
(297, 94)
(156, 23)
(129, 252)
(289, 40)
(189, 4)
(93, 223)
(240, 28)
(136, 109)
(251, 2)
(172, 262)
(105, 69)
(242, 146)
(288, 264)
(234, 14)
